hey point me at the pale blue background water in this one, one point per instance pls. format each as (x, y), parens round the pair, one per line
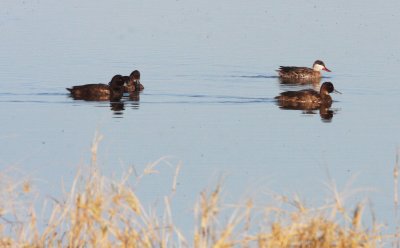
(208, 70)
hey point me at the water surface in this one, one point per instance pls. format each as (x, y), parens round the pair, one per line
(209, 74)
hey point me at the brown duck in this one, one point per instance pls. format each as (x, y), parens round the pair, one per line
(309, 96)
(99, 92)
(294, 72)
(132, 83)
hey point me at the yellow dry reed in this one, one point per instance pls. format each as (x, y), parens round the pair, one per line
(100, 212)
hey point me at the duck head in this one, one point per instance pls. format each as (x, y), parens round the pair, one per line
(135, 79)
(327, 88)
(320, 65)
(116, 82)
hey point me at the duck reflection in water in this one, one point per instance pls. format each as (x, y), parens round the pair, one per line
(99, 92)
(117, 106)
(324, 110)
(309, 100)
(134, 98)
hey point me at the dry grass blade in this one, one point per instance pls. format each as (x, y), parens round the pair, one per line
(101, 212)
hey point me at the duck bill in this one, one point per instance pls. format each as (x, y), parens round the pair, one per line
(326, 69)
(337, 92)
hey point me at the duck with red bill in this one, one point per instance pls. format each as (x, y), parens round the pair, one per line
(295, 72)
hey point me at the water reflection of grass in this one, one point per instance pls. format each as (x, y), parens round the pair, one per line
(99, 212)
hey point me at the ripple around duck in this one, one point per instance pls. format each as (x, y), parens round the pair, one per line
(42, 97)
(255, 76)
(33, 94)
(34, 101)
(210, 102)
(54, 98)
(267, 76)
(200, 98)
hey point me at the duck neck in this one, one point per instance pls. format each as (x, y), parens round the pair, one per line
(326, 97)
(136, 84)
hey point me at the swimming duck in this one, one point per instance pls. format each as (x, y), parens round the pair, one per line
(294, 72)
(132, 83)
(99, 92)
(309, 96)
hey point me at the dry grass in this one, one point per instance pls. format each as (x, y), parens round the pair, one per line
(100, 212)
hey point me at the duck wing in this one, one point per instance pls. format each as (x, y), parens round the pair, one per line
(290, 68)
(308, 95)
(294, 71)
(299, 93)
(90, 91)
(89, 86)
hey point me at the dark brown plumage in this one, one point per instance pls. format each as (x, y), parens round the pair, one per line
(99, 92)
(301, 97)
(132, 83)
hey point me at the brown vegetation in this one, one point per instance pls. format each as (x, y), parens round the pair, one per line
(99, 212)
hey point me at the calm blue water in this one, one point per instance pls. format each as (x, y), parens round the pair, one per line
(209, 74)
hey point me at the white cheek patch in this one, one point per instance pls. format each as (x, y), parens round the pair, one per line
(318, 67)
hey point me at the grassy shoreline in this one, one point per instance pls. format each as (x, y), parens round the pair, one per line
(101, 212)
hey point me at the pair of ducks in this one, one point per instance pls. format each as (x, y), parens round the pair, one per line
(307, 97)
(113, 91)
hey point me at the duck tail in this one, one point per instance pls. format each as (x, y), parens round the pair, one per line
(70, 90)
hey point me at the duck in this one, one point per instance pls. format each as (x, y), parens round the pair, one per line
(99, 92)
(308, 97)
(132, 82)
(294, 72)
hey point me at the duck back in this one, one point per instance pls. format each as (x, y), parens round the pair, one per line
(94, 92)
(303, 96)
(291, 72)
